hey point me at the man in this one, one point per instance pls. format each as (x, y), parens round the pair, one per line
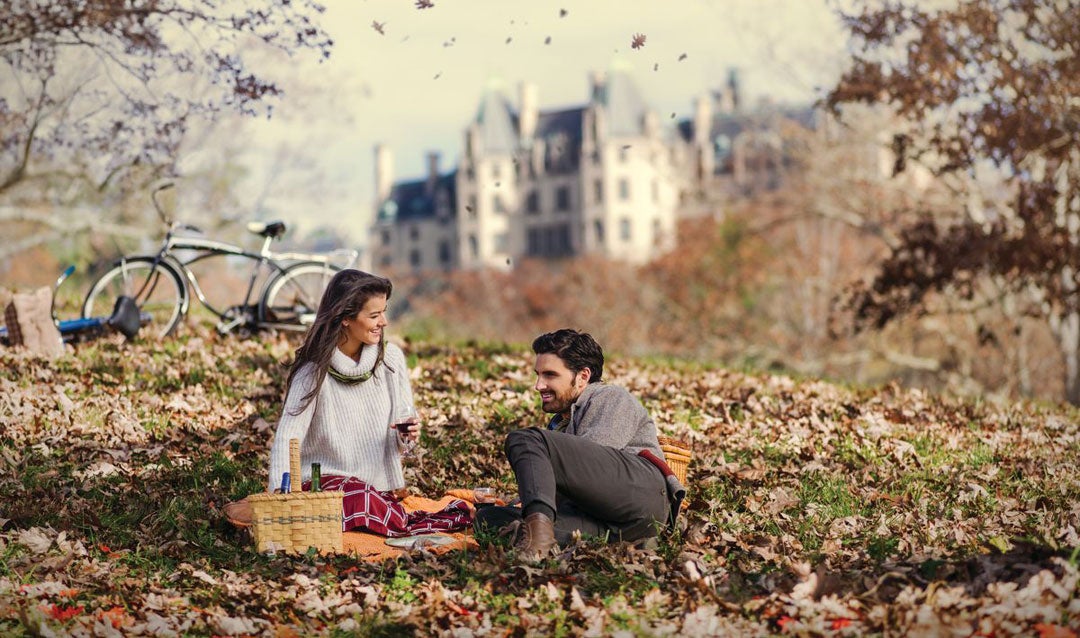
(596, 469)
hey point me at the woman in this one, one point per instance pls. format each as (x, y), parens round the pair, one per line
(343, 389)
(349, 402)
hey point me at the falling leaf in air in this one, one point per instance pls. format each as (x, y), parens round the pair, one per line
(547, 40)
(437, 75)
(637, 41)
(682, 57)
(424, 4)
(509, 39)
(656, 66)
(562, 13)
(378, 26)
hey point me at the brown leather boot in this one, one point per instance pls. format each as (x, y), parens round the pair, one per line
(536, 538)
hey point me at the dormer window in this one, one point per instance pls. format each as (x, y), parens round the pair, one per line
(389, 209)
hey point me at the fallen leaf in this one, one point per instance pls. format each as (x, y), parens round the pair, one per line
(63, 612)
(35, 539)
(1053, 631)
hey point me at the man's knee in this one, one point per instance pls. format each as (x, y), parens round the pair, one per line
(523, 439)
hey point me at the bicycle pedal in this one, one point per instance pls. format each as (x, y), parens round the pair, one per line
(227, 327)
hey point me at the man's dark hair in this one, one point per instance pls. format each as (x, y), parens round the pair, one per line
(578, 350)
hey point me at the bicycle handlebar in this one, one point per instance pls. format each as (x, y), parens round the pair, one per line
(157, 205)
(185, 226)
(59, 280)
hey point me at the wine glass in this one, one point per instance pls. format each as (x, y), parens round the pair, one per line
(406, 422)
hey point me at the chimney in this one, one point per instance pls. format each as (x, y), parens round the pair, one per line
(733, 88)
(432, 173)
(527, 115)
(702, 120)
(384, 173)
(596, 87)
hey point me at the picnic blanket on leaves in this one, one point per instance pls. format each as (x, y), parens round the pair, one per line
(379, 512)
(426, 512)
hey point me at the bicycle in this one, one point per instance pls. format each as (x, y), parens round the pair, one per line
(162, 284)
(125, 318)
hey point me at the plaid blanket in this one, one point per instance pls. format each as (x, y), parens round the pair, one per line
(364, 507)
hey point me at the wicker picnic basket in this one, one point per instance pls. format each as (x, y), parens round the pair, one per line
(298, 520)
(677, 454)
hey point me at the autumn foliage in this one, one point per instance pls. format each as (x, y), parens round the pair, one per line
(985, 98)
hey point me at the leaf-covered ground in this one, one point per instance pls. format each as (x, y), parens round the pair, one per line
(815, 509)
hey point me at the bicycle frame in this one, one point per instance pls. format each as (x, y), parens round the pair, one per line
(270, 260)
(211, 248)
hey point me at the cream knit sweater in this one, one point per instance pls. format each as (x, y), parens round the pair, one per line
(346, 428)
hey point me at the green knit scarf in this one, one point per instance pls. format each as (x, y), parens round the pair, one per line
(350, 379)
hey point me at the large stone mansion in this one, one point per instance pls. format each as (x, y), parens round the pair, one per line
(605, 178)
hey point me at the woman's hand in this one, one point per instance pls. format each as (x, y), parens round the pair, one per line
(408, 429)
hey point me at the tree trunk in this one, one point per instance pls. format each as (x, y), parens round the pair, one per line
(1068, 334)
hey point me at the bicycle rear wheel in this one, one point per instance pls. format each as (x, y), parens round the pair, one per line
(158, 290)
(292, 297)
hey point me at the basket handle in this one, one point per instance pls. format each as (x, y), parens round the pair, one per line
(294, 465)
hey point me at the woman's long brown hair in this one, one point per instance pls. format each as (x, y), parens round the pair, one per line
(345, 296)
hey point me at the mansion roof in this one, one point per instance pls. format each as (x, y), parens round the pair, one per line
(418, 199)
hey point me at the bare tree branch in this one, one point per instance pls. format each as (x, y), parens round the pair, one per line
(57, 226)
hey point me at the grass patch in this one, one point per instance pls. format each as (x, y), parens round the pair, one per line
(979, 456)
(881, 548)
(831, 493)
(849, 452)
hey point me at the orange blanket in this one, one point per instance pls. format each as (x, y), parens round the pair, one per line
(373, 547)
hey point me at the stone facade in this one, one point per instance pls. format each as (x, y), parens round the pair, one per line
(600, 179)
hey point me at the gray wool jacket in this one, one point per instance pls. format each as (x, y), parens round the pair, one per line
(611, 416)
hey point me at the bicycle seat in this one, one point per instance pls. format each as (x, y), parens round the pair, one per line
(268, 229)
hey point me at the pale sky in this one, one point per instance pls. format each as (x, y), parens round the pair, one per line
(416, 86)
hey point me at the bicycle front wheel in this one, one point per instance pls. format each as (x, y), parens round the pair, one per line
(292, 297)
(158, 290)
